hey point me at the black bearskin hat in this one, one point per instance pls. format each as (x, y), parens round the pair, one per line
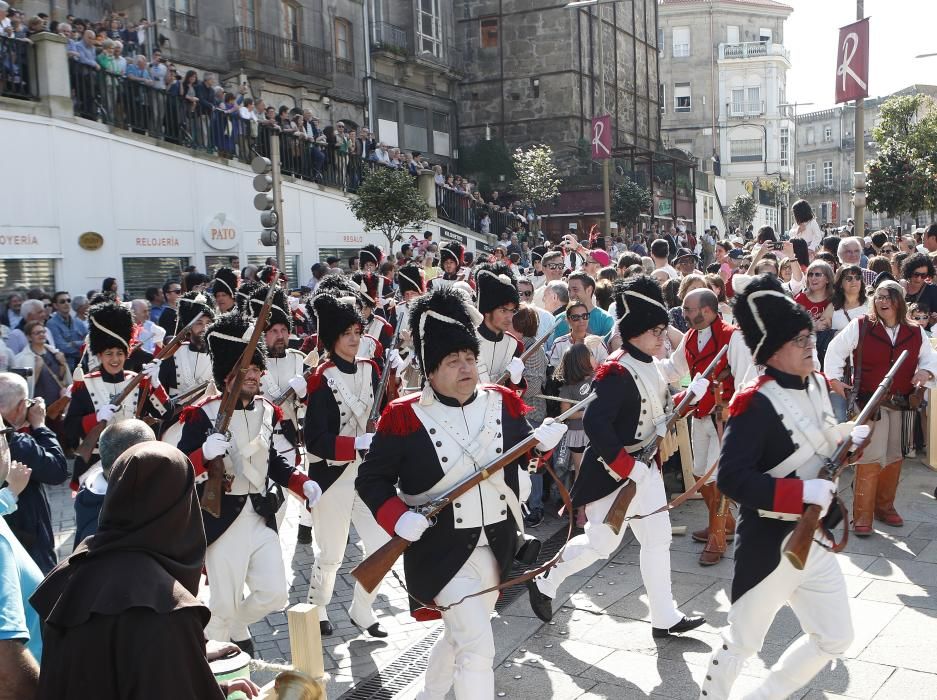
(410, 279)
(639, 305)
(110, 325)
(279, 312)
(537, 253)
(452, 251)
(268, 273)
(334, 314)
(496, 287)
(245, 293)
(370, 286)
(370, 254)
(227, 338)
(441, 323)
(225, 280)
(339, 286)
(191, 304)
(768, 317)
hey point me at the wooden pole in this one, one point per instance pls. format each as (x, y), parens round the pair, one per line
(305, 649)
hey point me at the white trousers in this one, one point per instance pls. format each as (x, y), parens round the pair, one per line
(600, 542)
(817, 595)
(706, 447)
(336, 510)
(248, 553)
(462, 657)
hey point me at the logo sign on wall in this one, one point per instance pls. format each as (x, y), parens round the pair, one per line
(221, 233)
(448, 235)
(90, 240)
(602, 137)
(852, 62)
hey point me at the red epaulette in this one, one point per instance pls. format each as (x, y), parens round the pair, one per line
(189, 412)
(277, 410)
(92, 375)
(399, 418)
(511, 400)
(315, 379)
(743, 397)
(609, 368)
(520, 343)
(77, 385)
(370, 361)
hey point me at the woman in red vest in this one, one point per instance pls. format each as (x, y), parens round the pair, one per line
(872, 344)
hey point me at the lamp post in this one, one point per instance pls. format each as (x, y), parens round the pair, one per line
(859, 167)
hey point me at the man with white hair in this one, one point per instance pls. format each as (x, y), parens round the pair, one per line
(31, 310)
(35, 445)
(150, 334)
(849, 252)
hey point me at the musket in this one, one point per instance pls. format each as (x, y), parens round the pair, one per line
(372, 570)
(385, 377)
(616, 514)
(798, 546)
(230, 401)
(536, 345)
(86, 448)
(311, 360)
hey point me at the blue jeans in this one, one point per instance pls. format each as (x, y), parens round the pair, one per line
(535, 500)
(839, 406)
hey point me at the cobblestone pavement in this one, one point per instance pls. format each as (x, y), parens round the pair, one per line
(600, 644)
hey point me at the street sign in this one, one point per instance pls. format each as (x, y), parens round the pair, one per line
(852, 62)
(602, 137)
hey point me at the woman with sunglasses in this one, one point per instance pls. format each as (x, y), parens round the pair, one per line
(577, 316)
(849, 296)
(873, 343)
(816, 297)
(916, 275)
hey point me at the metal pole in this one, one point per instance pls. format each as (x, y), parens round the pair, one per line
(606, 198)
(278, 198)
(859, 166)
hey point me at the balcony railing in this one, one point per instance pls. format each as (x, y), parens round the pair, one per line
(746, 109)
(387, 37)
(18, 69)
(752, 49)
(343, 65)
(182, 22)
(269, 50)
(462, 209)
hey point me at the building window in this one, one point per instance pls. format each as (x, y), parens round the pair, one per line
(811, 174)
(441, 143)
(681, 97)
(414, 128)
(827, 133)
(182, 6)
(764, 35)
(785, 147)
(429, 28)
(811, 138)
(737, 108)
(489, 29)
(754, 101)
(247, 14)
(662, 97)
(732, 34)
(660, 41)
(681, 42)
(828, 173)
(745, 150)
(387, 127)
(292, 22)
(344, 62)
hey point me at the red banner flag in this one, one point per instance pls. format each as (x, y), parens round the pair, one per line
(601, 137)
(852, 62)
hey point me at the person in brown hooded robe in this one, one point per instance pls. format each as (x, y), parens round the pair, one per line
(121, 616)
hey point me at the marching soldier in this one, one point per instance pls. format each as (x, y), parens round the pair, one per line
(377, 287)
(412, 285)
(110, 333)
(500, 350)
(190, 366)
(376, 327)
(451, 258)
(780, 430)
(426, 443)
(632, 404)
(708, 334)
(243, 547)
(537, 277)
(224, 289)
(341, 396)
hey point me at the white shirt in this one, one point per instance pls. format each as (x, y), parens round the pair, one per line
(844, 343)
(811, 233)
(676, 367)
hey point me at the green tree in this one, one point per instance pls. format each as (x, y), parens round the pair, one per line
(902, 178)
(742, 211)
(629, 201)
(389, 201)
(537, 176)
(489, 162)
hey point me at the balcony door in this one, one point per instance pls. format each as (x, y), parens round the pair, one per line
(292, 31)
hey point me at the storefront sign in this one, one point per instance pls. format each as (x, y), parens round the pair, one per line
(664, 207)
(448, 235)
(353, 238)
(221, 233)
(30, 242)
(90, 240)
(483, 247)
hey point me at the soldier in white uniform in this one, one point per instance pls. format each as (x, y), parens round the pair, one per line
(341, 396)
(427, 442)
(412, 285)
(190, 366)
(499, 349)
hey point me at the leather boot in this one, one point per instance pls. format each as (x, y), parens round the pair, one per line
(885, 495)
(716, 544)
(707, 493)
(863, 502)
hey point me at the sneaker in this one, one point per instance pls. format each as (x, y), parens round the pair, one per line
(533, 519)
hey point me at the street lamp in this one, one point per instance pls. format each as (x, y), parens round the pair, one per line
(606, 198)
(795, 105)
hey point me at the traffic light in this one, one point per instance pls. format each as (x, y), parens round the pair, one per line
(267, 199)
(859, 198)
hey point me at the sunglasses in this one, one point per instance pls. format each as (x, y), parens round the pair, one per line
(174, 291)
(852, 278)
(578, 317)
(920, 275)
(922, 319)
(815, 274)
(888, 250)
(554, 266)
(527, 293)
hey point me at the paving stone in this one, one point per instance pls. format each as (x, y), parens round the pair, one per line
(564, 655)
(852, 678)
(638, 673)
(869, 618)
(907, 594)
(539, 683)
(905, 684)
(921, 573)
(908, 641)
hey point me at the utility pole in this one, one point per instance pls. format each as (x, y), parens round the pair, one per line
(606, 196)
(269, 199)
(859, 167)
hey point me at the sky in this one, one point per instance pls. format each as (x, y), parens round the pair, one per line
(898, 31)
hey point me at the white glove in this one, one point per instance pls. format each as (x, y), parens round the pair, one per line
(411, 526)
(396, 362)
(549, 434)
(698, 387)
(859, 434)
(298, 384)
(215, 445)
(523, 485)
(105, 413)
(151, 370)
(312, 492)
(363, 442)
(819, 492)
(516, 368)
(638, 472)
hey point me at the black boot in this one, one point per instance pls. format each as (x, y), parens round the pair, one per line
(541, 604)
(304, 535)
(685, 625)
(374, 630)
(325, 628)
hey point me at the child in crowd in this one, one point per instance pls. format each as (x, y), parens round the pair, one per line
(575, 376)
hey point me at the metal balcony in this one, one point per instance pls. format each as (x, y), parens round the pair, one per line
(752, 49)
(387, 37)
(182, 22)
(271, 51)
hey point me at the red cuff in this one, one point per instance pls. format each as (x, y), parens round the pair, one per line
(344, 448)
(296, 482)
(160, 394)
(389, 513)
(88, 422)
(622, 465)
(788, 496)
(198, 461)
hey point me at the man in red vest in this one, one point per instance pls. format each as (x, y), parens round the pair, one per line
(708, 334)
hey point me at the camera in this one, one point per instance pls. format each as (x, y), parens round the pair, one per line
(778, 245)
(24, 372)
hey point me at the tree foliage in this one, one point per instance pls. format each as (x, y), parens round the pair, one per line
(742, 211)
(487, 162)
(537, 175)
(629, 201)
(902, 178)
(389, 201)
